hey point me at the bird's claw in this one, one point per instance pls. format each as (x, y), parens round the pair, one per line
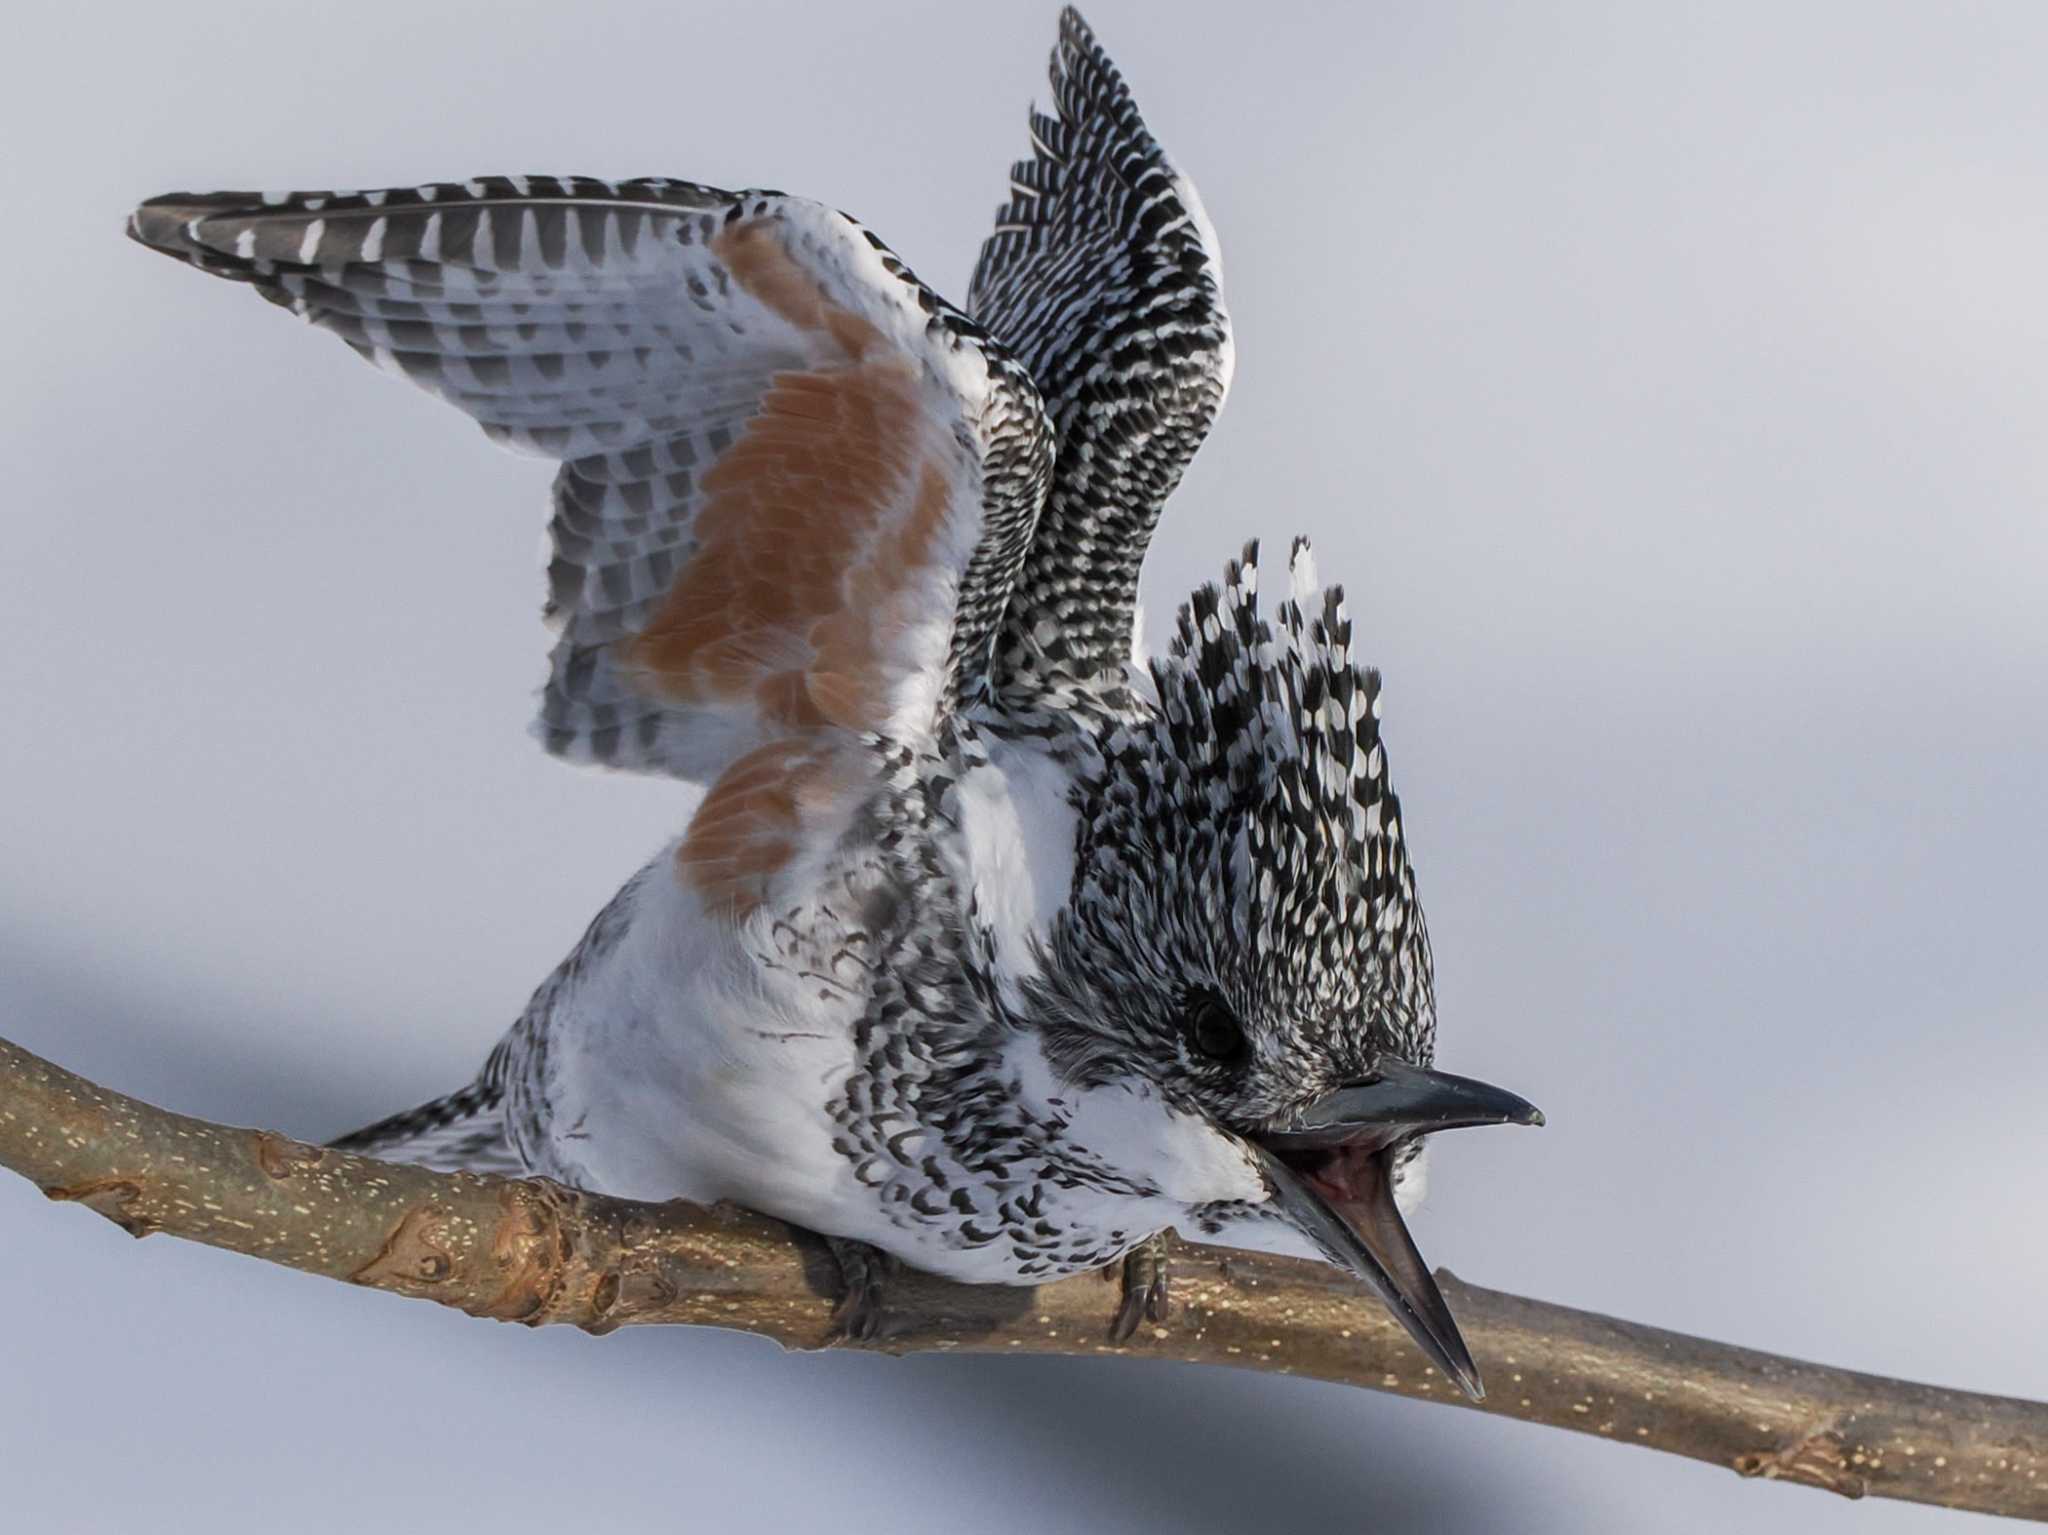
(1146, 1292)
(863, 1274)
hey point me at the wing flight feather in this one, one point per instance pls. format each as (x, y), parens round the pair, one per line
(794, 484)
(1102, 277)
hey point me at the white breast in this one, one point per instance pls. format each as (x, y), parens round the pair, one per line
(680, 1067)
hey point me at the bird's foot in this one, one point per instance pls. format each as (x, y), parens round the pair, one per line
(863, 1273)
(1146, 1297)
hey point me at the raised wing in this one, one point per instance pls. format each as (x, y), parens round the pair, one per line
(795, 485)
(1102, 278)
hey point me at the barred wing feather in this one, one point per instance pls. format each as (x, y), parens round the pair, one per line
(1103, 278)
(794, 486)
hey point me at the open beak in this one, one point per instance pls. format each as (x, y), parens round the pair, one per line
(1332, 1173)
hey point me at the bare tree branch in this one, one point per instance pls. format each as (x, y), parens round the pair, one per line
(527, 1250)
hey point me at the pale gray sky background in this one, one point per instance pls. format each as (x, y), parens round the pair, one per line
(1665, 382)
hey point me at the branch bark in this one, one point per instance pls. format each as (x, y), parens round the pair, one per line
(527, 1250)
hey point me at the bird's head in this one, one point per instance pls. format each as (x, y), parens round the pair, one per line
(1245, 935)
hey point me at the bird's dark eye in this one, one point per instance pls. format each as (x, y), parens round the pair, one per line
(1213, 1029)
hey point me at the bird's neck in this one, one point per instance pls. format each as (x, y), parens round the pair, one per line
(1124, 1132)
(1019, 829)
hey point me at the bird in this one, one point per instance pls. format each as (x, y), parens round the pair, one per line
(993, 946)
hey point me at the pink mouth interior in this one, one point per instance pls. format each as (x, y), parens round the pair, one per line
(1343, 1175)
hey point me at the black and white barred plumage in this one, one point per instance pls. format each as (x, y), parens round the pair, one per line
(1103, 277)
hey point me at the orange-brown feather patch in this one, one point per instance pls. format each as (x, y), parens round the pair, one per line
(815, 529)
(851, 642)
(787, 513)
(748, 826)
(815, 524)
(755, 255)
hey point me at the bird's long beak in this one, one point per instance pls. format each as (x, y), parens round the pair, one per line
(1332, 1173)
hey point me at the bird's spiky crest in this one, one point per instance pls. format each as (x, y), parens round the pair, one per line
(1276, 714)
(1244, 835)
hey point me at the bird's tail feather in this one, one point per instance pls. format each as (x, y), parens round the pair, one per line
(461, 1132)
